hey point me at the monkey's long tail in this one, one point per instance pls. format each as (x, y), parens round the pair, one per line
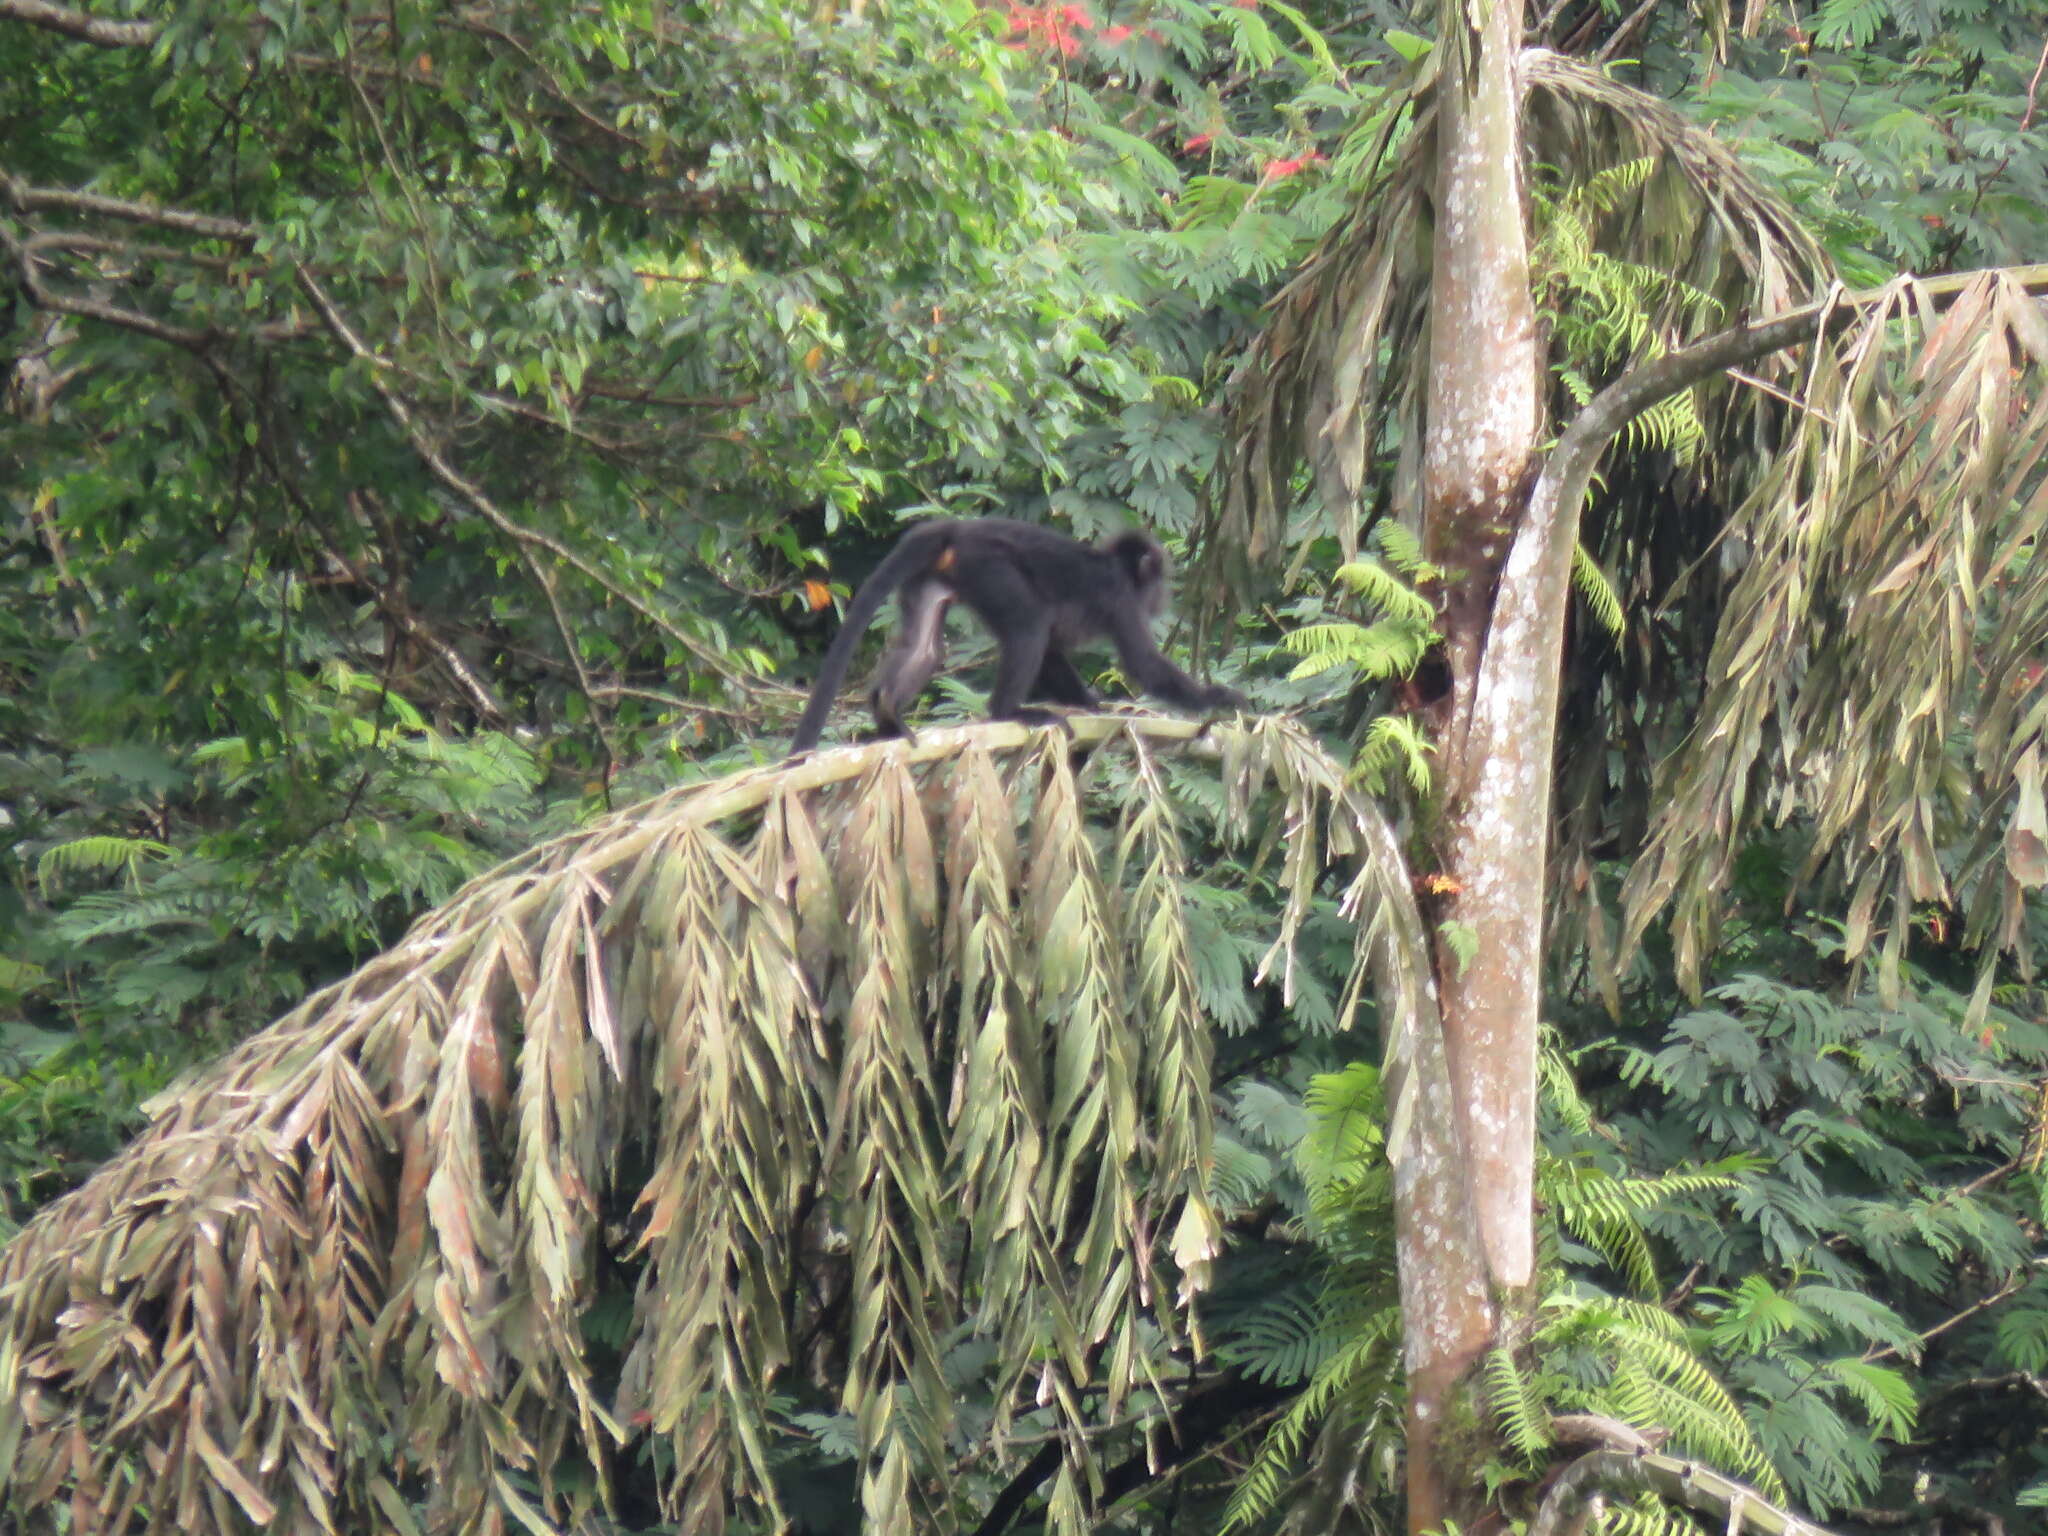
(916, 552)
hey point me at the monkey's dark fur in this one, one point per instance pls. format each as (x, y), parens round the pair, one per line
(1039, 592)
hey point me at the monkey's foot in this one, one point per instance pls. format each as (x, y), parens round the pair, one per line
(1031, 714)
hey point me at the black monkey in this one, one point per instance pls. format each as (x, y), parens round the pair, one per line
(1039, 592)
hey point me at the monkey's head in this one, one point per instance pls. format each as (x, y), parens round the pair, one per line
(1145, 564)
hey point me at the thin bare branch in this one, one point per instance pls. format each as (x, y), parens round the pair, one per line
(30, 199)
(409, 624)
(44, 297)
(1983, 1303)
(573, 649)
(473, 494)
(1619, 39)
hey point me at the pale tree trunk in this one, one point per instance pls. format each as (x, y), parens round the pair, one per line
(1464, 1174)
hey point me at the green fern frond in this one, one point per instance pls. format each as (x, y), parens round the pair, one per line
(1388, 593)
(1647, 1515)
(100, 914)
(1672, 425)
(1758, 1315)
(1657, 1378)
(1706, 1424)
(1461, 940)
(1607, 308)
(1605, 189)
(1516, 1405)
(1597, 590)
(1642, 1317)
(1597, 1192)
(1621, 1243)
(1372, 650)
(1393, 743)
(1349, 1110)
(1402, 546)
(1395, 643)
(1285, 1338)
(1368, 1362)
(102, 852)
(1885, 1394)
(1559, 1086)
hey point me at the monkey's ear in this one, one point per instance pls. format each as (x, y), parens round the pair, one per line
(1144, 562)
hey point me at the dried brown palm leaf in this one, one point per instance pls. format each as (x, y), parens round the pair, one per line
(1337, 374)
(897, 1020)
(1889, 597)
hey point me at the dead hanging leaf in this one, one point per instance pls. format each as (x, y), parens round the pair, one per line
(2026, 835)
(231, 1477)
(1901, 573)
(818, 595)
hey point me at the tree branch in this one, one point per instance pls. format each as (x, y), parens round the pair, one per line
(93, 309)
(574, 651)
(1570, 469)
(1980, 1304)
(97, 30)
(83, 27)
(1620, 1474)
(2038, 1385)
(1202, 1421)
(644, 394)
(410, 625)
(1621, 34)
(138, 321)
(28, 199)
(1927, 1513)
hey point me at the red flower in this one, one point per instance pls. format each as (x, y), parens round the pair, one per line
(1115, 34)
(1276, 170)
(1052, 26)
(1199, 141)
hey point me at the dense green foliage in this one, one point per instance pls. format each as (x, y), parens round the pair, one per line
(424, 427)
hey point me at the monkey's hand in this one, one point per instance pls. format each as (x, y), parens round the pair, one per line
(1030, 714)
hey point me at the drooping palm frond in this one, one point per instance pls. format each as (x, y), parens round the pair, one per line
(895, 1014)
(1720, 242)
(1336, 376)
(1890, 594)
(1339, 356)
